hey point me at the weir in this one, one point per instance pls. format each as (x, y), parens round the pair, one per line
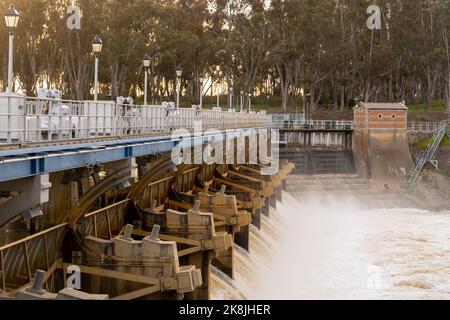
(364, 161)
(106, 198)
(99, 192)
(326, 199)
(318, 147)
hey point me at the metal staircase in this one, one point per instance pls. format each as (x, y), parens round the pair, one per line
(426, 156)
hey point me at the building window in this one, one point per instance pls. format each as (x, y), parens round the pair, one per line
(380, 116)
(394, 116)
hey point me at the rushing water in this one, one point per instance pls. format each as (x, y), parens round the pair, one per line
(308, 250)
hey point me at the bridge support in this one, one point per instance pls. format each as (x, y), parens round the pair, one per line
(24, 194)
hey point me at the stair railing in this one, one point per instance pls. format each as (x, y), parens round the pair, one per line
(426, 156)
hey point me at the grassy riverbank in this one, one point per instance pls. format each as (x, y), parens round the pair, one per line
(425, 143)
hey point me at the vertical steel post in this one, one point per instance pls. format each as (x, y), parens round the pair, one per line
(145, 87)
(10, 62)
(178, 92)
(201, 96)
(96, 80)
(218, 98)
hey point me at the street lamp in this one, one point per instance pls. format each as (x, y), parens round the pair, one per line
(242, 101)
(97, 45)
(202, 81)
(146, 61)
(249, 102)
(12, 17)
(179, 72)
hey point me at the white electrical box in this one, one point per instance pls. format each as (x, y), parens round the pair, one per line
(98, 117)
(12, 110)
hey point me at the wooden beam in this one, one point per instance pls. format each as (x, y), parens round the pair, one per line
(245, 177)
(52, 269)
(191, 242)
(189, 251)
(115, 274)
(236, 185)
(219, 217)
(138, 293)
(186, 206)
(220, 224)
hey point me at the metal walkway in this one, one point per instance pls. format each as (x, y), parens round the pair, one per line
(426, 156)
(341, 125)
(315, 125)
(39, 136)
(21, 163)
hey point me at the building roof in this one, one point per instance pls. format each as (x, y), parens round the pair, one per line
(383, 106)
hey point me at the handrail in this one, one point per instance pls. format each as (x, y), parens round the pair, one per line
(423, 126)
(28, 119)
(315, 124)
(412, 126)
(426, 156)
(101, 222)
(19, 261)
(34, 236)
(106, 208)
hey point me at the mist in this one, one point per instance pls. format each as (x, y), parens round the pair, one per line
(331, 249)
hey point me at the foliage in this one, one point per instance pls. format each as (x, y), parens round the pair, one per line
(304, 52)
(423, 144)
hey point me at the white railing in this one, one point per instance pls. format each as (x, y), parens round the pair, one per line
(315, 125)
(25, 119)
(423, 127)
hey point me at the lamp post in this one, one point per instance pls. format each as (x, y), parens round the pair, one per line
(97, 45)
(202, 81)
(146, 61)
(179, 72)
(218, 75)
(242, 101)
(12, 17)
(249, 102)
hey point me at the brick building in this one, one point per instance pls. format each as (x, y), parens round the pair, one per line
(381, 116)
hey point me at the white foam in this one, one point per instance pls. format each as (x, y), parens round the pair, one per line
(314, 251)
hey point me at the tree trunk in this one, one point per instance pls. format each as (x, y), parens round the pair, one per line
(342, 97)
(429, 93)
(448, 91)
(312, 106)
(285, 83)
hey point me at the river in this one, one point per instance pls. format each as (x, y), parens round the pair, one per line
(311, 250)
